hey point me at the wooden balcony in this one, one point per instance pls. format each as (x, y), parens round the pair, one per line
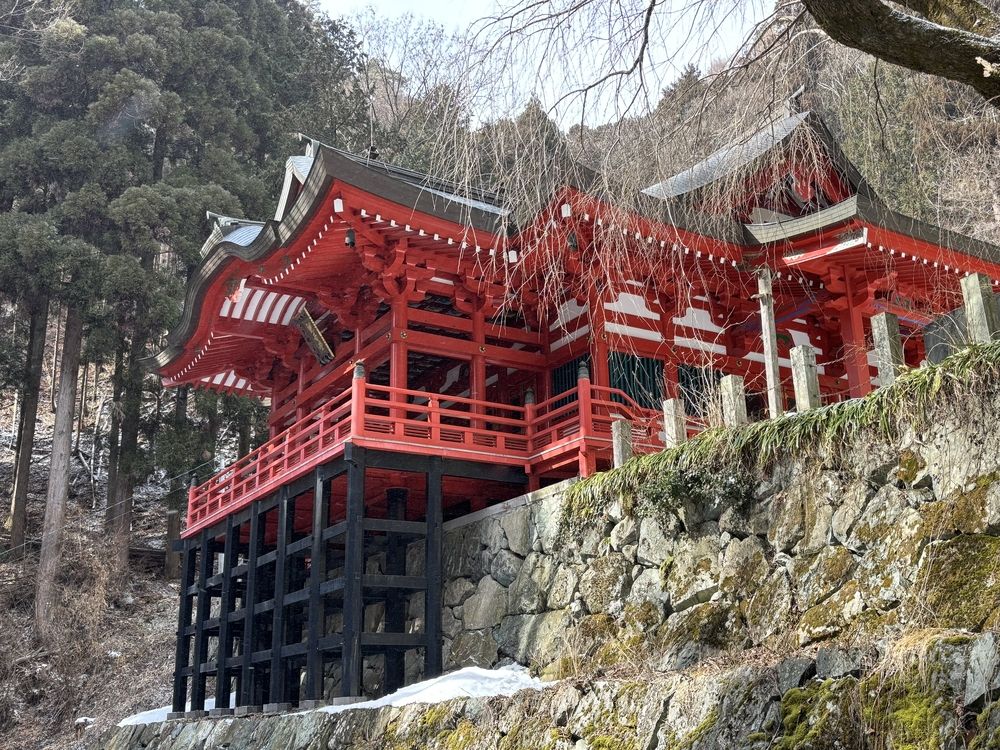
(572, 429)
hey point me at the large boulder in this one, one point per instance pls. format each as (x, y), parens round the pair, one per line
(487, 607)
(605, 582)
(694, 574)
(536, 639)
(516, 524)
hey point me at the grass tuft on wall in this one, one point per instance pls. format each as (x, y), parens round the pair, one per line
(756, 447)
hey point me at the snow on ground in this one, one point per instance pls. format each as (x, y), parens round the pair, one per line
(471, 682)
(155, 715)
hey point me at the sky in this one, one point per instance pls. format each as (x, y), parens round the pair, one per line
(452, 14)
(687, 31)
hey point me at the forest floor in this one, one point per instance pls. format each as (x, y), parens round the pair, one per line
(116, 649)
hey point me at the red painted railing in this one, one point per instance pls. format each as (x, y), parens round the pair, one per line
(420, 422)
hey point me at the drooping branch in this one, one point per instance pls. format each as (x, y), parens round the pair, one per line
(918, 43)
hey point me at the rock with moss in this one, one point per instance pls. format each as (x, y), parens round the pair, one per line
(768, 610)
(904, 709)
(700, 632)
(657, 538)
(821, 715)
(960, 581)
(832, 616)
(817, 577)
(533, 639)
(605, 582)
(744, 567)
(786, 524)
(694, 574)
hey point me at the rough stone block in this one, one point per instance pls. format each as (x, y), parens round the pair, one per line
(833, 662)
(517, 527)
(487, 607)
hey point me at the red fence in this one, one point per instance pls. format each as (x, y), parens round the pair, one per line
(419, 422)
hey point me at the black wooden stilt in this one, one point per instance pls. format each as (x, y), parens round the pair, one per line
(354, 565)
(278, 664)
(317, 602)
(223, 673)
(182, 654)
(395, 603)
(432, 566)
(248, 692)
(202, 614)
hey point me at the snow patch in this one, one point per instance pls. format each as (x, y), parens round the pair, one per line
(155, 715)
(471, 682)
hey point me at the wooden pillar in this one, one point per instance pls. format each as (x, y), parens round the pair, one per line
(248, 673)
(223, 673)
(477, 364)
(277, 697)
(852, 329)
(805, 378)
(354, 569)
(769, 337)
(621, 442)
(674, 422)
(202, 613)
(599, 352)
(395, 604)
(888, 347)
(317, 575)
(182, 652)
(734, 401)
(586, 458)
(398, 354)
(980, 309)
(433, 572)
(358, 388)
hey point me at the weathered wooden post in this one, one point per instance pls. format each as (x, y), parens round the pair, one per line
(734, 401)
(769, 336)
(888, 347)
(805, 378)
(674, 422)
(980, 309)
(621, 441)
(358, 399)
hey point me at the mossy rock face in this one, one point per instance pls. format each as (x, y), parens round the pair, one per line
(987, 729)
(966, 512)
(910, 467)
(699, 632)
(821, 715)
(960, 580)
(769, 610)
(818, 576)
(906, 711)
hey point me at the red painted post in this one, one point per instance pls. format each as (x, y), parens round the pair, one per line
(585, 405)
(529, 419)
(358, 400)
(434, 418)
(583, 397)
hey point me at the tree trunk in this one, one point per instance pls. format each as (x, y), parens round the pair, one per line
(58, 489)
(114, 431)
(17, 521)
(177, 497)
(120, 510)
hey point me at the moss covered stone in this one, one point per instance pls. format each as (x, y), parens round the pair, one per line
(960, 580)
(821, 715)
(903, 710)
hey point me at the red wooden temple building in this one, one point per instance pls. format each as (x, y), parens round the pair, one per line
(424, 358)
